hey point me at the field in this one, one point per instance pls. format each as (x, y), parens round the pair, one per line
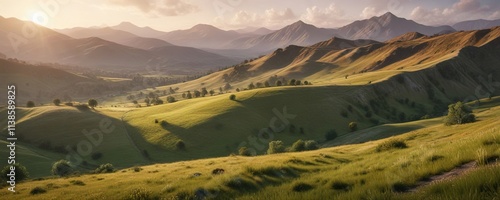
(346, 172)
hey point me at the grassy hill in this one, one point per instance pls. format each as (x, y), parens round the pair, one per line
(346, 172)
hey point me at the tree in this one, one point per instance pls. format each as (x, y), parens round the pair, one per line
(311, 145)
(147, 101)
(251, 86)
(244, 151)
(92, 103)
(189, 95)
(330, 135)
(292, 82)
(62, 168)
(353, 126)
(227, 87)
(57, 102)
(170, 99)
(259, 85)
(212, 92)
(204, 92)
(180, 145)
(306, 83)
(276, 147)
(21, 172)
(299, 145)
(459, 113)
(237, 89)
(135, 102)
(30, 104)
(278, 83)
(183, 95)
(232, 97)
(266, 84)
(171, 91)
(297, 82)
(197, 93)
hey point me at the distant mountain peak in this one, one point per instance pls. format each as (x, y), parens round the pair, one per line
(389, 14)
(128, 24)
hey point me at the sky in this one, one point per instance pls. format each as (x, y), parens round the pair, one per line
(167, 15)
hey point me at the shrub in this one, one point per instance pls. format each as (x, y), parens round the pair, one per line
(310, 145)
(170, 99)
(82, 107)
(244, 151)
(391, 144)
(105, 168)
(21, 172)
(96, 155)
(276, 147)
(68, 104)
(353, 126)
(77, 182)
(56, 102)
(330, 135)
(232, 97)
(340, 185)
(62, 168)
(140, 194)
(299, 145)
(30, 104)
(301, 187)
(459, 113)
(37, 190)
(180, 145)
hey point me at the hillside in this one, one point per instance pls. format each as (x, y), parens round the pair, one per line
(96, 52)
(147, 32)
(476, 24)
(116, 36)
(201, 36)
(385, 27)
(344, 172)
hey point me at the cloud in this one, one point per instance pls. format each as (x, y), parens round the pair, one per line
(369, 12)
(158, 7)
(329, 16)
(270, 17)
(461, 10)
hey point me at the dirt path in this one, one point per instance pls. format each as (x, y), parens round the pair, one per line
(457, 171)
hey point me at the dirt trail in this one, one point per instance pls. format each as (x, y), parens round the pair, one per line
(457, 171)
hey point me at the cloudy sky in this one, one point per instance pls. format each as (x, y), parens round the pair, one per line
(169, 15)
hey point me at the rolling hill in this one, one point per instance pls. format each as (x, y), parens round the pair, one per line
(146, 32)
(476, 24)
(52, 47)
(385, 27)
(116, 36)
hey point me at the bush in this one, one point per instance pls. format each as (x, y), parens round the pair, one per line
(276, 147)
(21, 172)
(170, 99)
(77, 182)
(62, 168)
(353, 126)
(330, 135)
(37, 190)
(391, 144)
(301, 187)
(180, 145)
(232, 97)
(311, 145)
(244, 151)
(299, 145)
(105, 168)
(82, 107)
(30, 104)
(459, 113)
(340, 185)
(68, 104)
(140, 194)
(56, 102)
(92, 103)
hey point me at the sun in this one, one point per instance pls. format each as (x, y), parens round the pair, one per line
(40, 18)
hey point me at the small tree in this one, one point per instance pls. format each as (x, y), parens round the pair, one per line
(21, 172)
(197, 93)
(57, 102)
(251, 86)
(147, 101)
(292, 82)
(204, 92)
(278, 83)
(62, 168)
(105, 168)
(180, 145)
(459, 113)
(266, 84)
(330, 135)
(311, 145)
(30, 104)
(276, 147)
(244, 151)
(232, 97)
(299, 145)
(237, 89)
(212, 92)
(353, 126)
(170, 99)
(189, 95)
(297, 82)
(227, 86)
(92, 103)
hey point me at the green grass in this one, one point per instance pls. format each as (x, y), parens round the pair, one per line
(345, 172)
